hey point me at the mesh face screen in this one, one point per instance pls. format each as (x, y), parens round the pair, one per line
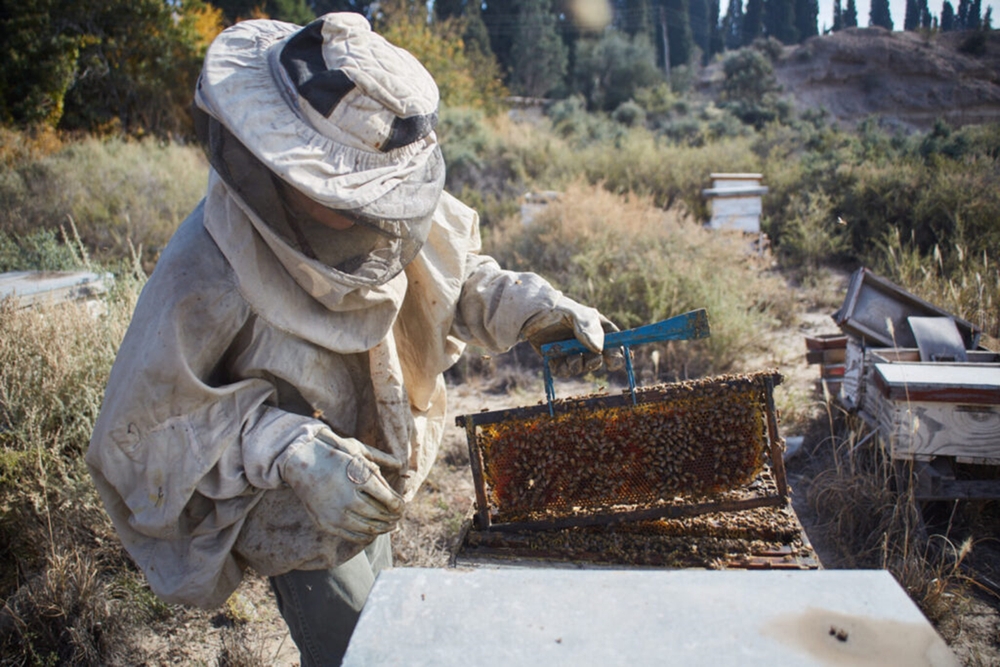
(683, 441)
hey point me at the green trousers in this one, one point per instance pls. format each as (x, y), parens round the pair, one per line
(321, 607)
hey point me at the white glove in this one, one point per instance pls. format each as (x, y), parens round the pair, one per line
(569, 319)
(339, 482)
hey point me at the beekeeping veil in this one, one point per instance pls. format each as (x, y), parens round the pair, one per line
(339, 114)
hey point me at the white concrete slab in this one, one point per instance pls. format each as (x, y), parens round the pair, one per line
(528, 617)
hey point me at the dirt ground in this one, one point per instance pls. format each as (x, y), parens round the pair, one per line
(254, 633)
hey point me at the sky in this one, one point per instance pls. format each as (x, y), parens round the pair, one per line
(898, 10)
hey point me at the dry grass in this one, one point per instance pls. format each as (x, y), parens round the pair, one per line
(639, 264)
(866, 510)
(963, 284)
(65, 578)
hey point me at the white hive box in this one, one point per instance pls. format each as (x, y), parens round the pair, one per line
(552, 617)
(925, 410)
(735, 201)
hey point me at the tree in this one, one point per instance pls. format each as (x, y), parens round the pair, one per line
(838, 18)
(879, 14)
(732, 25)
(947, 17)
(448, 9)
(39, 62)
(779, 20)
(700, 29)
(363, 7)
(611, 69)
(678, 24)
(974, 21)
(753, 26)
(911, 19)
(100, 65)
(715, 30)
(806, 18)
(475, 35)
(538, 55)
(851, 15)
(749, 87)
(293, 11)
(926, 20)
(636, 17)
(465, 77)
(501, 19)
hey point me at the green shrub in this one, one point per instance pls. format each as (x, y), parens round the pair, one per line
(41, 251)
(629, 114)
(609, 71)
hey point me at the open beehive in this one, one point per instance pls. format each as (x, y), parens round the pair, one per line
(667, 451)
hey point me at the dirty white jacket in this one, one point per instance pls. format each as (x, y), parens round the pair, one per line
(240, 346)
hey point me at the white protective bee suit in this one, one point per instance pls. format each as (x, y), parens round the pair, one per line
(257, 338)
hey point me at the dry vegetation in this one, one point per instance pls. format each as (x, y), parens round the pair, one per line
(69, 593)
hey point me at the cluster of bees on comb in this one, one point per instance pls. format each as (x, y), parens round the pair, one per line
(718, 540)
(687, 439)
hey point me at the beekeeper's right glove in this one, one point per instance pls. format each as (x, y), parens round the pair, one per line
(339, 482)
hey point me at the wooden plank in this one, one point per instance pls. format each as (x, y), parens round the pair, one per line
(826, 342)
(831, 371)
(831, 356)
(930, 382)
(918, 430)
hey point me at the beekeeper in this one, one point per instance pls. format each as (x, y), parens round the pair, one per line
(279, 397)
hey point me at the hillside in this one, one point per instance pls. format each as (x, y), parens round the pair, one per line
(908, 78)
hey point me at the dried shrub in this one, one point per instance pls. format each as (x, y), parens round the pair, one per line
(638, 264)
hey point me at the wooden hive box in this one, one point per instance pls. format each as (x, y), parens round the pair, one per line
(859, 392)
(925, 410)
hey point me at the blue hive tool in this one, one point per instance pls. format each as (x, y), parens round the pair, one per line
(688, 326)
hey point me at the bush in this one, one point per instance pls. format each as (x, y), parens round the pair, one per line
(41, 251)
(629, 114)
(118, 193)
(638, 264)
(610, 71)
(65, 578)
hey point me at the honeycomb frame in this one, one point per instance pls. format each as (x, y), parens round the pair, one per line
(668, 450)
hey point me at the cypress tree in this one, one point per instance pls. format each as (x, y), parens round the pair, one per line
(975, 21)
(779, 20)
(879, 14)
(714, 30)
(753, 26)
(962, 16)
(636, 17)
(732, 25)
(539, 57)
(838, 19)
(851, 15)
(947, 17)
(700, 30)
(678, 31)
(806, 18)
(925, 15)
(447, 9)
(912, 17)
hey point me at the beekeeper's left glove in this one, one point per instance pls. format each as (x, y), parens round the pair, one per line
(569, 319)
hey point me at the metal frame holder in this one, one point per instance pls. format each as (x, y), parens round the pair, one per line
(689, 326)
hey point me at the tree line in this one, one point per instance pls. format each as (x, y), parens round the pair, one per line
(130, 65)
